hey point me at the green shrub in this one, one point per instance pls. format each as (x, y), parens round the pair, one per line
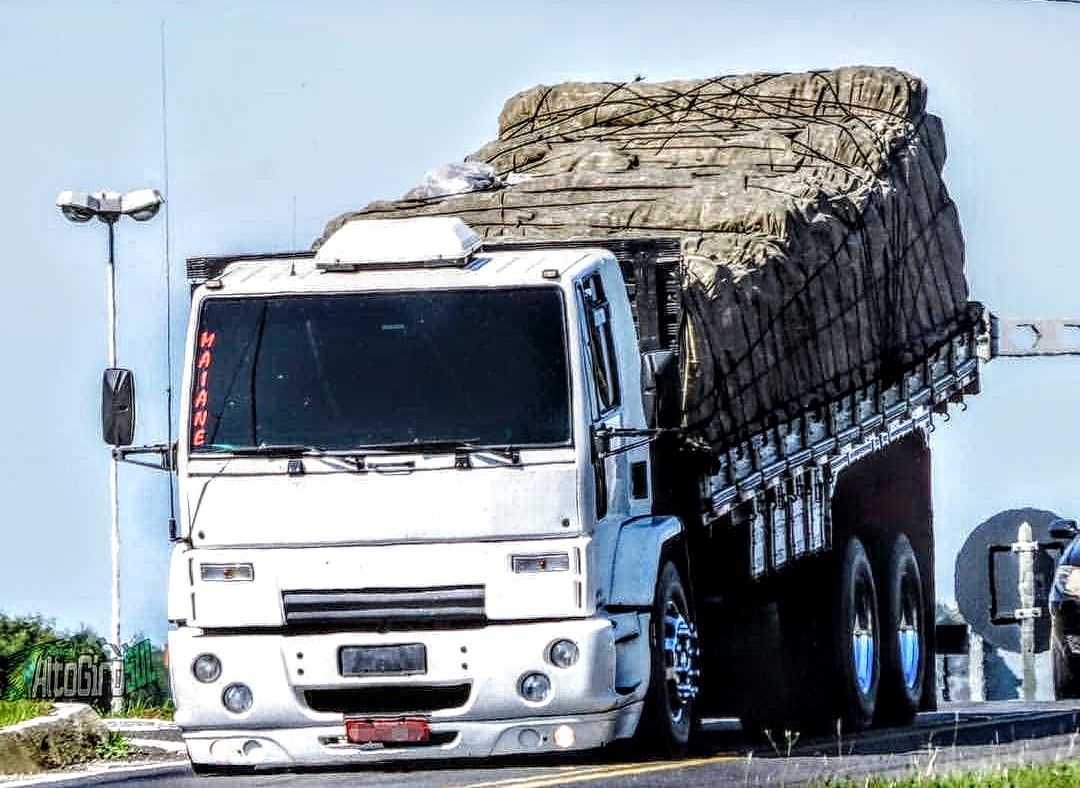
(13, 711)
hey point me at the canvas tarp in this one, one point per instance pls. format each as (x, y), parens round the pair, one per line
(822, 249)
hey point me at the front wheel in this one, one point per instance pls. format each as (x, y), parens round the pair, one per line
(668, 717)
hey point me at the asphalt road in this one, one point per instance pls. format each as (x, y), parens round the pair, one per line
(964, 736)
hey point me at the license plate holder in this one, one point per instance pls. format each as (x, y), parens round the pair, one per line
(404, 659)
(387, 730)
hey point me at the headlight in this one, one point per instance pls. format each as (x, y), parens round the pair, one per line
(563, 653)
(1068, 580)
(206, 668)
(237, 698)
(534, 687)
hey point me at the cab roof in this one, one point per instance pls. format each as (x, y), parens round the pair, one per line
(301, 273)
(426, 252)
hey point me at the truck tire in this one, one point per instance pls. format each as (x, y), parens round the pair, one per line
(856, 640)
(904, 648)
(668, 717)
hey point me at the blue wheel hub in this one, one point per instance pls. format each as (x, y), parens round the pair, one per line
(862, 649)
(908, 638)
(863, 641)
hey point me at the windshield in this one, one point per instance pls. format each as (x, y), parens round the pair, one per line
(342, 371)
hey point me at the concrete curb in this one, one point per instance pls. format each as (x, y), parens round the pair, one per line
(101, 774)
(67, 736)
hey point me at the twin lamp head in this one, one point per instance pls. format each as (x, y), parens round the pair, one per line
(141, 205)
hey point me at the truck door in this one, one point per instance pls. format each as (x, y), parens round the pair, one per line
(606, 390)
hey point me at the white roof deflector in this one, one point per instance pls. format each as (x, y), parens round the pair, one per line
(431, 241)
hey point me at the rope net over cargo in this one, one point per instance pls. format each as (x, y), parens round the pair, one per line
(821, 249)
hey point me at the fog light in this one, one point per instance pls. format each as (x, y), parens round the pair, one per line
(534, 687)
(237, 698)
(206, 668)
(563, 653)
(563, 736)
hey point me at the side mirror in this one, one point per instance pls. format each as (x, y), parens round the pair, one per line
(1063, 529)
(660, 388)
(118, 407)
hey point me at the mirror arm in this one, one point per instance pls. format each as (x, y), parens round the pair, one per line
(166, 453)
(605, 435)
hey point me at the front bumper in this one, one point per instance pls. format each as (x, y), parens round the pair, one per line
(325, 745)
(289, 675)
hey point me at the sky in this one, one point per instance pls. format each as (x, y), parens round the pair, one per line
(281, 115)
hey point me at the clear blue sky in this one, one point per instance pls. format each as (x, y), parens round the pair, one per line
(333, 104)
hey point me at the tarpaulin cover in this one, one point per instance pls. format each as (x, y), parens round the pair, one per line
(822, 249)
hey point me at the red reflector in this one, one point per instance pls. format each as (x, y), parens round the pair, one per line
(394, 729)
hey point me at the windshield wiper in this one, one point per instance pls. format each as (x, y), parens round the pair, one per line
(457, 447)
(267, 450)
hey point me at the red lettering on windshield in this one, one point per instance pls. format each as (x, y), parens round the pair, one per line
(199, 414)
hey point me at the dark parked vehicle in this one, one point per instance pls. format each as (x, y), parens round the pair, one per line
(1065, 613)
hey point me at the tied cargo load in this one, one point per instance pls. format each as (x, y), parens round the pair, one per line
(821, 250)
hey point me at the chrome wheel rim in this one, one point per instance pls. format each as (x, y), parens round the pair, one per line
(681, 670)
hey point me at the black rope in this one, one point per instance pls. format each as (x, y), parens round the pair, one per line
(839, 313)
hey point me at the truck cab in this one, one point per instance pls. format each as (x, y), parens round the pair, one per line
(417, 508)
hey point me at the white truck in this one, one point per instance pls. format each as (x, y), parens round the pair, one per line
(436, 502)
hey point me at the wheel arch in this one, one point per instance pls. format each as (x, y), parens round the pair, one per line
(645, 542)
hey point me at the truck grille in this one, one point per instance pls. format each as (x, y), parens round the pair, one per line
(388, 700)
(385, 609)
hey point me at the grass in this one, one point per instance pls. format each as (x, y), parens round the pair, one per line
(114, 747)
(1050, 775)
(13, 711)
(145, 711)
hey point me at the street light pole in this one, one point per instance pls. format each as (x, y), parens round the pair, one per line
(116, 668)
(141, 205)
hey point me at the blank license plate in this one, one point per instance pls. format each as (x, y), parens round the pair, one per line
(401, 730)
(383, 660)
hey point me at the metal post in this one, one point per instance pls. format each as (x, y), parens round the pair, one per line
(1027, 603)
(976, 676)
(116, 666)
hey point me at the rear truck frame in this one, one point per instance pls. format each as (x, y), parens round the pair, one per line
(385, 602)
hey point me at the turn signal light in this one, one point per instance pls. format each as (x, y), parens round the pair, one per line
(227, 572)
(547, 562)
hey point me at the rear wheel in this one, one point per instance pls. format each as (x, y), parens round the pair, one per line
(828, 668)
(668, 717)
(856, 640)
(904, 634)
